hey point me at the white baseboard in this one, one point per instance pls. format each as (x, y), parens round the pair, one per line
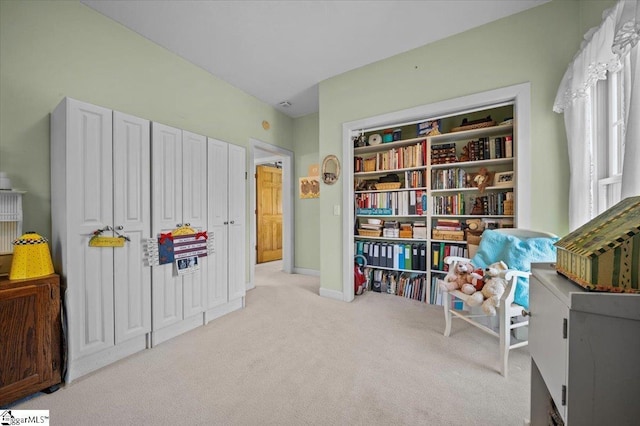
(176, 329)
(221, 310)
(304, 271)
(85, 365)
(331, 294)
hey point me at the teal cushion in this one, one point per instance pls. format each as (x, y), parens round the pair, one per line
(517, 254)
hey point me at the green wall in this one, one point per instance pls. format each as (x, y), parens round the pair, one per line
(533, 46)
(307, 211)
(49, 50)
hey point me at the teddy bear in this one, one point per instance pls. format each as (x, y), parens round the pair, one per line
(493, 289)
(464, 277)
(482, 179)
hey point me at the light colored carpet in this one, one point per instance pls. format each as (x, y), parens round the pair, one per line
(292, 357)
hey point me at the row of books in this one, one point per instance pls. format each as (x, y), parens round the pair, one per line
(409, 285)
(448, 204)
(448, 178)
(444, 153)
(403, 284)
(435, 294)
(396, 158)
(412, 257)
(476, 150)
(441, 250)
(415, 179)
(493, 203)
(448, 224)
(490, 148)
(400, 202)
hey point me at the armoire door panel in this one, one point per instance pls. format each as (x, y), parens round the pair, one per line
(236, 271)
(132, 218)
(166, 297)
(237, 220)
(89, 208)
(218, 222)
(237, 185)
(218, 174)
(92, 299)
(94, 146)
(166, 214)
(217, 290)
(132, 290)
(194, 167)
(194, 290)
(166, 194)
(194, 212)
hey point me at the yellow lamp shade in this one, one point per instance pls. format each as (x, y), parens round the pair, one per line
(31, 257)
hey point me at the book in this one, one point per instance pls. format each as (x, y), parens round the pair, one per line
(508, 146)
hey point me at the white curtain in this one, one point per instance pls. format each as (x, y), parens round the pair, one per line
(618, 31)
(625, 46)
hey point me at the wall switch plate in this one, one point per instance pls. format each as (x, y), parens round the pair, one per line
(336, 210)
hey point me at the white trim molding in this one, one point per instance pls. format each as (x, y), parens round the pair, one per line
(288, 188)
(519, 95)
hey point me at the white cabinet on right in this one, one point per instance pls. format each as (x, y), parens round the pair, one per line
(227, 226)
(584, 353)
(179, 194)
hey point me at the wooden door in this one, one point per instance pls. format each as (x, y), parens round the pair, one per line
(269, 213)
(218, 221)
(166, 214)
(237, 182)
(132, 218)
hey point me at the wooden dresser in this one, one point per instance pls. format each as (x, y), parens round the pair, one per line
(584, 353)
(30, 337)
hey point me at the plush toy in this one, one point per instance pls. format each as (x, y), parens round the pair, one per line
(482, 179)
(464, 277)
(465, 154)
(493, 289)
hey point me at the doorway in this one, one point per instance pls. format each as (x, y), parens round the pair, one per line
(261, 153)
(268, 212)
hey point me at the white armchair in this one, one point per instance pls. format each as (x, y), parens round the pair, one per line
(510, 315)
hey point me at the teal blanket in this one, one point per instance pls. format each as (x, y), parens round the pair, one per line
(517, 254)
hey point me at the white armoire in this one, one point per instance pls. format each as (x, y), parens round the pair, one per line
(114, 174)
(100, 183)
(179, 197)
(227, 224)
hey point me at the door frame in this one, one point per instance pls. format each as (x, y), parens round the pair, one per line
(259, 152)
(519, 95)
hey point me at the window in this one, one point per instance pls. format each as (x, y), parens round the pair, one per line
(608, 129)
(595, 96)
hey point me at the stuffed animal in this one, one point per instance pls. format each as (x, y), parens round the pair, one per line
(464, 276)
(493, 289)
(482, 179)
(464, 156)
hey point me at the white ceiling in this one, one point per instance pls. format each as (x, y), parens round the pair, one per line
(280, 50)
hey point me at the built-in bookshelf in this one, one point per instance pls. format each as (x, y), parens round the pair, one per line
(424, 190)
